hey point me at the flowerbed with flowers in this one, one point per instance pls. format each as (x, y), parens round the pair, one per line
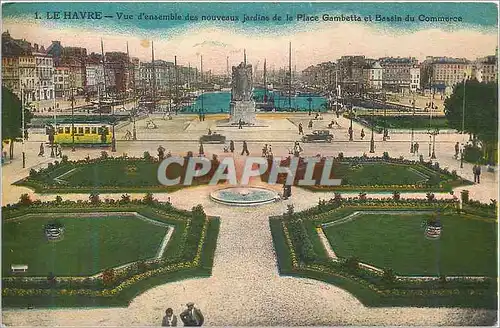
(300, 252)
(189, 254)
(378, 174)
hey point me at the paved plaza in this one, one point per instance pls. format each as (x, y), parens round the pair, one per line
(245, 287)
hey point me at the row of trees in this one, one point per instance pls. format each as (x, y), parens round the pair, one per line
(481, 114)
(12, 118)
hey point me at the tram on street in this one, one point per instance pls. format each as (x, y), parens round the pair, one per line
(86, 134)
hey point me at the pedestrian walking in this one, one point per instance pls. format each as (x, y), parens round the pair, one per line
(301, 129)
(161, 153)
(264, 151)
(231, 146)
(415, 148)
(310, 124)
(350, 132)
(201, 150)
(42, 150)
(457, 150)
(474, 172)
(240, 124)
(245, 149)
(170, 319)
(478, 173)
(362, 134)
(192, 317)
(297, 149)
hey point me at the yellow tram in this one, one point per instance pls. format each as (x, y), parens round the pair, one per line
(85, 134)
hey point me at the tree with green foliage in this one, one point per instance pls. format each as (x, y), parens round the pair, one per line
(12, 118)
(481, 114)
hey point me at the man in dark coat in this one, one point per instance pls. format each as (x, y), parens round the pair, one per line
(478, 173)
(231, 146)
(169, 320)
(192, 317)
(245, 149)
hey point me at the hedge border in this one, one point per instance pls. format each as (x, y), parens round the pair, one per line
(290, 264)
(201, 266)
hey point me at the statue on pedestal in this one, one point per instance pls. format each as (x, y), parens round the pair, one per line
(242, 84)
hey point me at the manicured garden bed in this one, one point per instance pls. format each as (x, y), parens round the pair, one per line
(189, 253)
(108, 174)
(109, 241)
(386, 262)
(378, 174)
(397, 241)
(418, 122)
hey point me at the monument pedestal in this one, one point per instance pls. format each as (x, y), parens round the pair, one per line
(244, 110)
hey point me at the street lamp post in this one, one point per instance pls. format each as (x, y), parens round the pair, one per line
(412, 144)
(372, 141)
(23, 126)
(434, 133)
(386, 132)
(463, 127)
(72, 120)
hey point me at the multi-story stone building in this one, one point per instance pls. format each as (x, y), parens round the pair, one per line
(26, 68)
(415, 79)
(165, 75)
(321, 76)
(116, 72)
(486, 69)
(444, 72)
(62, 82)
(350, 72)
(396, 73)
(373, 76)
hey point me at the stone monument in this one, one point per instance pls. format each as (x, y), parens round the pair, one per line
(242, 106)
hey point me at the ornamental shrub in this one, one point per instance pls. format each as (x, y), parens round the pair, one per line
(464, 194)
(148, 198)
(301, 241)
(341, 156)
(351, 264)
(430, 197)
(385, 155)
(25, 200)
(108, 277)
(125, 199)
(389, 276)
(33, 172)
(58, 199)
(146, 155)
(198, 212)
(64, 159)
(94, 198)
(104, 154)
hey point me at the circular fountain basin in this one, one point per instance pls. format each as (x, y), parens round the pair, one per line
(244, 196)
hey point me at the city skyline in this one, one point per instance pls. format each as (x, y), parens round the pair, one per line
(216, 41)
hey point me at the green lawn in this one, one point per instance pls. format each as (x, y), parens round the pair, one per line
(89, 245)
(369, 174)
(405, 121)
(467, 246)
(112, 175)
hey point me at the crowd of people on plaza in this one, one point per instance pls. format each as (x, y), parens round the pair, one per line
(190, 317)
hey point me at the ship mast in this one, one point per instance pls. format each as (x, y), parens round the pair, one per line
(154, 74)
(290, 75)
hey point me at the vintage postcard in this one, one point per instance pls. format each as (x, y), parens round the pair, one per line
(249, 164)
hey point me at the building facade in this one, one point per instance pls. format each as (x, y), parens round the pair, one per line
(486, 69)
(396, 73)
